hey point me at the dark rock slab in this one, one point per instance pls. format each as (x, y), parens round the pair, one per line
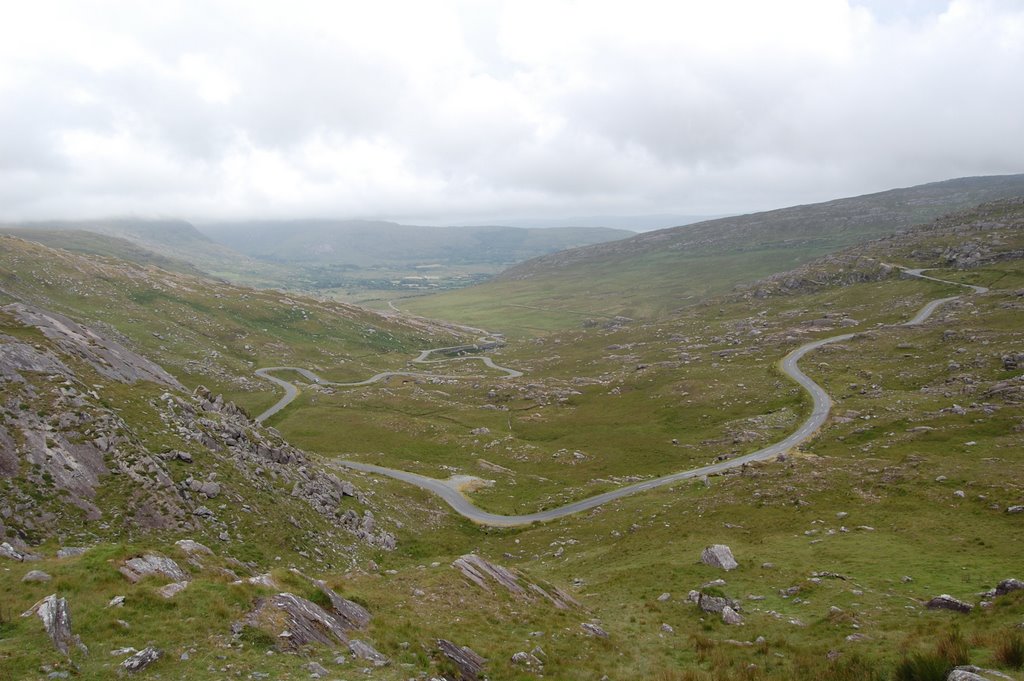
(947, 602)
(468, 663)
(304, 622)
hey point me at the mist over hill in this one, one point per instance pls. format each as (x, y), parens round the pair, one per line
(656, 273)
(367, 243)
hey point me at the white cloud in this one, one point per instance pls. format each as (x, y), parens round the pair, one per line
(449, 109)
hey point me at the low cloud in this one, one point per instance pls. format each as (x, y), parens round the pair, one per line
(449, 110)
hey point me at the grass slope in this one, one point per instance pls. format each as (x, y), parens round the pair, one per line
(207, 331)
(657, 273)
(902, 496)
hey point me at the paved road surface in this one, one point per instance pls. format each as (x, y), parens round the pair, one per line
(449, 492)
(291, 391)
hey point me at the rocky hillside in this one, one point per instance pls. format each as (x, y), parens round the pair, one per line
(170, 244)
(657, 274)
(966, 240)
(100, 443)
(822, 226)
(207, 331)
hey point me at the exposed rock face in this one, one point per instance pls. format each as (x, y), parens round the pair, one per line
(193, 548)
(11, 553)
(366, 528)
(484, 573)
(296, 622)
(352, 615)
(468, 663)
(304, 622)
(73, 444)
(972, 673)
(947, 602)
(963, 675)
(364, 651)
(526, 659)
(711, 603)
(1007, 585)
(141, 659)
(108, 358)
(56, 617)
(594, 629)
(171, 590)
(719, 556)
(18, 357)
(730, 616)
(135, 569)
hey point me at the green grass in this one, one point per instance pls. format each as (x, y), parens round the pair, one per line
(701, 376)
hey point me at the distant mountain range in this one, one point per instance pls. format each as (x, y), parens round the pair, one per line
(654, 273)
(366, 243)
(314, 254)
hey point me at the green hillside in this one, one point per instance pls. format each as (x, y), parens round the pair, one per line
(203, 330)
(911, 489)
(165, 243)
(94, 243)
(659, 273)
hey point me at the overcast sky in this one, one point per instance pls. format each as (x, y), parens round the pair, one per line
(457, 111)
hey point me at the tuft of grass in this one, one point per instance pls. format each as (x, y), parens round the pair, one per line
(953, 648)
(922, 667)
(1009, 650)
(257, 638)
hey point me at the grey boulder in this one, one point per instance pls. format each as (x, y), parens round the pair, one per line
(719, 556)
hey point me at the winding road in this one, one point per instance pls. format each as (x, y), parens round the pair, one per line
(451, 493)
(291, 391)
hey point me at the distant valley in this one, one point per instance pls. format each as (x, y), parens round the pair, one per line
(863, 525)
(356, 261)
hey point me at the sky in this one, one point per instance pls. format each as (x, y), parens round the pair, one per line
(461, 111)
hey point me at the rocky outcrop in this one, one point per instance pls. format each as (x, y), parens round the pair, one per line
(486, 574)
(468, 664)
(594, 629)
(366, 529)
(56, 617)
(18, 358)
(351, 614)
(1007, 585)
(72, 444)
(714, 603)
(730, 616)
(832, 270)
(719, 556)
(947, 602)
(134, 569)
(364, 651)
(109, 359)
(296, 622)
(970, 672)
(11, 553)
(141, 659)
